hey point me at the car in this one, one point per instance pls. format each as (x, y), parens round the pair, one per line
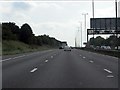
(67, 48)
(118, 48)
(108, 47)
(61, 47)
(72, 47)
(103, 47)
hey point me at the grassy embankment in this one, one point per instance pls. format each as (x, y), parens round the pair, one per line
(105, 52)
(16, 47)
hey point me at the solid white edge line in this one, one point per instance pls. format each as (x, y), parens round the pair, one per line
(5, 59)
(12, 58)
(19, 57)
(107, 70)
(33, 70)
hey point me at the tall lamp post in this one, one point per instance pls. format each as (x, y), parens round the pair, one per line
(78, 41)
(93, 19)
(116, 23)
(81, 31)
(85, 14)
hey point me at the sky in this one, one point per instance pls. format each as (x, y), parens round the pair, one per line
(59, 19)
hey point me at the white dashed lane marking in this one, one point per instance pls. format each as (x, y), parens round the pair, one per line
(51, 56)
(33, 70)
(46, 61)
(91, 61)
(110, 76)
(107, 70)
(84, 57)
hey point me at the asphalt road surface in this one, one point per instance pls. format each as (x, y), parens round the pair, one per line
(60, 69)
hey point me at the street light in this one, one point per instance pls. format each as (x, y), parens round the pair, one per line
(85, 14)
(116, 23)
(77, 44)
(93, 19)
(78, 38)
(81, 31)
(93, 7)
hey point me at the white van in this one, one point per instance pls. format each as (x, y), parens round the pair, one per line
(67, 48)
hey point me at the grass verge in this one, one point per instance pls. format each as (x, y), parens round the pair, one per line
(105, 52)
(16, 47)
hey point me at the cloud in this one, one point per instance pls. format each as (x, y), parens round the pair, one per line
(21, 6)
(56, 19)
(45, 5)
(107, 12)
(64, 31)
(5, 7)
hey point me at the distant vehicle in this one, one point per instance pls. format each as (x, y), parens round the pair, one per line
(61, 47)
(118, 48)
(67, 48)
(103, 47)
(106, 47)
(97, 47)
(72, 47)
(91, 46)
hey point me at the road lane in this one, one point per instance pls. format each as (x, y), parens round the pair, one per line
(62, 70)
(36, 56)
(100, 60)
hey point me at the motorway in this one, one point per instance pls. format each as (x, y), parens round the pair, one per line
(59, 69)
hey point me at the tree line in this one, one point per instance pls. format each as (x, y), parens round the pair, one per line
(10, 31)
(112, 41)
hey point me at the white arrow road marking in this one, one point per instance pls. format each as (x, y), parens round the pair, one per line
(107, 70)
(46, 61)
(33, 70)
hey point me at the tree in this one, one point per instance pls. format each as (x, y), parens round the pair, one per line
(39, 41)
(99, 41)
(111, 41)
(8, 31)
(26, 34)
